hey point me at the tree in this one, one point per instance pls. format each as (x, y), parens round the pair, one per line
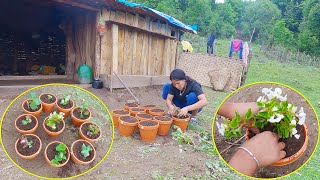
(281, 34)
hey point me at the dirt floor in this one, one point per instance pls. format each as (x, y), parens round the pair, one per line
(130, 158)
(251, 94)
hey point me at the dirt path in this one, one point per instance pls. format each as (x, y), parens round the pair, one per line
(130, 158)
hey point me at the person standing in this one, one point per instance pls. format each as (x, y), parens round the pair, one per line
(210, 44)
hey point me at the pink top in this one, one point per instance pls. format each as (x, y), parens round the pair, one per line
(236, 44)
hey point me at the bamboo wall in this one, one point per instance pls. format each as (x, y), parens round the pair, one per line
(136, 45)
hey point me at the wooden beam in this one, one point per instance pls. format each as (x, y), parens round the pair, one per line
(135, 64)
(76, 4)
(98, 49)
(115, 35)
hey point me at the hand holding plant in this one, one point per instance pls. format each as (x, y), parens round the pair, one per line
(275, 113)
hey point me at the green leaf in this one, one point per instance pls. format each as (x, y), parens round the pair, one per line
(238, 118)
(234, 123)
(61, 147)
(54, 161)
(32, 95)
(248, 115)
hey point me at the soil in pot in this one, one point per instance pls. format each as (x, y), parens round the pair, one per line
(163, 118)
(181, 117)
(67, 106)
(148, 123)
(144, 116)
(157, 110)
(121, 112)
(51, 152)
(131, 105)
(28, 126)
(25, 106)
(29, 151)
(129, 119)
(77, 114)
(59, 126)
(293, 145)
(85, 129)
(44, 98)
(77, 151)
(149, 106)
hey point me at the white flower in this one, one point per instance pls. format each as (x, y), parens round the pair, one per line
(297, 136)
(276, 120)
(302, 120)
(221, 128)
(294, 131)
(293, 122)
(275, 109)
(282, 98)
(271, 119)
(294, 109)
(277, 91)
(261, 99)
(289, 105)
(266, 91)
(301, 116)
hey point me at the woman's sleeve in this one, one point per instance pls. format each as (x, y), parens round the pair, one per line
(197, 89)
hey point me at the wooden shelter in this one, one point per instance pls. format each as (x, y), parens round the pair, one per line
(137, 44)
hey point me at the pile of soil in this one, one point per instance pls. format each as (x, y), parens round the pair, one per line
(129, 119)
(67, 106)
(44, 98)
(59, 126)
(157, 110)
(51, 152)
(29, 151)
(85, 129)
(145, 116)
(27, 126)
(163, 118)
(293, 145)
(121, 112)
(77, 151)
(25, 106)
(77, 113)
(148, 123)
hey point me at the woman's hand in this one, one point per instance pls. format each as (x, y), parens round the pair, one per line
(183, 111)
(172, 110)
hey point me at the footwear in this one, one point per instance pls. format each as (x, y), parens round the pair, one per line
(194, 120)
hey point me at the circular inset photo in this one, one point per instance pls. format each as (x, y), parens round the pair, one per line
(56, 131)
(265, 130)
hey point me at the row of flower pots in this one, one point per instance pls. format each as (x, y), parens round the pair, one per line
(148, 120)
(56, 153)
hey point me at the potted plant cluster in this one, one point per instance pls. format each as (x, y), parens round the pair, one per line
(80, 114)
(32, 105)
(65, 105)
(82, 152)
(26, 124)
(48, 101)
(277, 115)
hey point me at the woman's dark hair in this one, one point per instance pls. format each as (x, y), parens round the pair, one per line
(178, 74)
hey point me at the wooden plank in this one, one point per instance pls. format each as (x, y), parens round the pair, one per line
(149, 61)
(97, 49)
(144, 54)
(113, 16)
(159, 80)
(121, 50)
(131, 81)
(106, 14)
(166, 57)
(160, 57)
(135, 64)
(142, 23)
(76, 4)
(121, 17)
(115, 35)
(139, 54)
(106, 53)
(130, 19)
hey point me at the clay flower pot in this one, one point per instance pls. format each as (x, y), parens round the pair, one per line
(164, 124)
(88, 133)
(127, 125)
(116, 115)
(157, 112)
(148, 130)
(26, 110)
(147, 108)
(65, 109)
(76, 155)
(54, 133)
(50, 152)
(128, 106)
(24, 151)
(75, 116)
(181, 122)
(294, 157)
(47, 104)
(144, 116)
(135, 111)
(29, 128)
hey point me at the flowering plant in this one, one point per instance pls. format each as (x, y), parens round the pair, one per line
(24, 141)
(53, 119)
(275, 112)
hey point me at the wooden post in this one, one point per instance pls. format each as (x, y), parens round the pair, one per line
(150, 47)
(98, 49)
(114, 64)
(135, 64)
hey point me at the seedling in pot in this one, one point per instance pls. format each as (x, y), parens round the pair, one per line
(85, 150)
(60, 155)
(177, 112)
(93, 129)
(65, 100)
(83, 110)
(24, 141)
(26, 121)
(34, 101)
(54, 119)
(49, 97)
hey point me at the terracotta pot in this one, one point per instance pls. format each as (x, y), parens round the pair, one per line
(127, 128)
(51, 133)
(36, 113)
(135, 111)
(30, 131)
(48, 108)
(77, 121)
(182, 123)
(33, 155)
(143, 116)
(85, 137)
(78, 161)
(49, 161)
(148, 133)
(164, 126)
(116, 115)
(147, 108)
(154, 112)
(65, 111)
(128, 106)
(294, 157)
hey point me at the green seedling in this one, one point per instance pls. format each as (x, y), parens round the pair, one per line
(65, 100)
(83, 110)
(85, 150)
(49, 97)
(93, 129)
(26, 121)
(54, 119)
(34, 101)
(61, 150)
(24, 141)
